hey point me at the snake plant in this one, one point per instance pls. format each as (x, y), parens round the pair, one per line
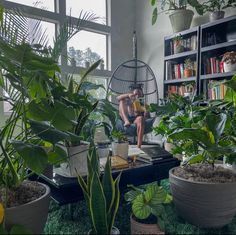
(102, 195)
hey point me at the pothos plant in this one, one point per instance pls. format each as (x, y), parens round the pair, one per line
(166, 6)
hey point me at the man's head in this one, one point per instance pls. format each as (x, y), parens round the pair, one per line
(137, 89)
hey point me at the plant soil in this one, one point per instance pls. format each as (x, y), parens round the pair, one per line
(26, 192)
(205, 173)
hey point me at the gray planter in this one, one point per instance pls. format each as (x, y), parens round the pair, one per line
(181, 20)
(216, 15)
(32, 215)
(207, 205)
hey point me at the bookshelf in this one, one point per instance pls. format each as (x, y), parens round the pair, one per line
(216, 38)
(204, 45)
(180, 48)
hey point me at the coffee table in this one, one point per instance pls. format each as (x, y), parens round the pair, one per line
(66, 190)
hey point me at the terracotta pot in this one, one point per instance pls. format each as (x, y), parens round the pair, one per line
(140, 228)
(32, 215)
(206, 205)
(188, 73)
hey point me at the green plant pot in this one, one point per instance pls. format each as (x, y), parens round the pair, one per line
(181, 20)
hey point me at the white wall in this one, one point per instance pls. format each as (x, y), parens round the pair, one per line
(151, 38)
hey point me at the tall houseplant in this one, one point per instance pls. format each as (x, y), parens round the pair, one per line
(215, 7)
(29, 74)
(101, 195)
(180, 16)
(203, 184)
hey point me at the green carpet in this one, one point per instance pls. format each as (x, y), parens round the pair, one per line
(74, 219)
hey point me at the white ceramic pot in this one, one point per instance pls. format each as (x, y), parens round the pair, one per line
(216, 15)
(120, 149)
(32, 215)
(181, 20)
(229, 67)
(77, 160)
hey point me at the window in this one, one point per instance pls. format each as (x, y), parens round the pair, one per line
(98, 7)
(87, 47)
(47, 5)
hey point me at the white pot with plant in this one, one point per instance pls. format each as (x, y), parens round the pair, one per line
(148, 212)
(229, 60)
(214, 7)
(178, 45)
(180, 16)
(120, 144)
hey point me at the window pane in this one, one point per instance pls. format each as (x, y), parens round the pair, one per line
(42, 4)
(87, 46)
(46, 30)
(99, 93)
(98, 7)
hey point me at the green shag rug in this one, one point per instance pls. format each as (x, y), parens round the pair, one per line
(74, 219)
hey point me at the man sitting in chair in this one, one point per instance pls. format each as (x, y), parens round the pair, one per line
(131, 111)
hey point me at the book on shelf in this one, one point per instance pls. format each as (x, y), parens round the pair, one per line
(213, 65)
(216, 90)
(180, 90)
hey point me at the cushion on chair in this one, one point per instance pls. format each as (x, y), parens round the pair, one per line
(132, 129)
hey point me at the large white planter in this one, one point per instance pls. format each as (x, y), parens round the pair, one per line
(229, 67)
(120, 149)
(32, 215)
(77, 160)
(181, 20)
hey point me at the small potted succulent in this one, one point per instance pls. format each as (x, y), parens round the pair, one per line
(188, 68)
(178, 46)
(148, 213)
(215, 7)
(120, 144)
(229, 60)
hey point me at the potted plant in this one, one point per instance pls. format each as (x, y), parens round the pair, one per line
(215, 7)
(101, 195)
(188, 68)
(120, 144)
(201, 183)
(180, 16)
(148, 213)
(178, 44)
(229, 60)
(29, 74)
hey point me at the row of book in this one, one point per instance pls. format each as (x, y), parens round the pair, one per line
(189, 44)
(216, 90)
(181, 90)
(176, 70)
(213, 65)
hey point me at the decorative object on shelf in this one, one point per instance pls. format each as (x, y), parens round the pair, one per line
(180, 16)
(177, 42)
(229, 59)
(214, 7)
(101, 195)
(188, 68)
(148, 212)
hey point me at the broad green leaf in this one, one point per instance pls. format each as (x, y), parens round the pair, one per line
(131, 195)
(34, 156)
(153, 2)
(98, 206)
(195, 159)
(141, 209)
(58, 155)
